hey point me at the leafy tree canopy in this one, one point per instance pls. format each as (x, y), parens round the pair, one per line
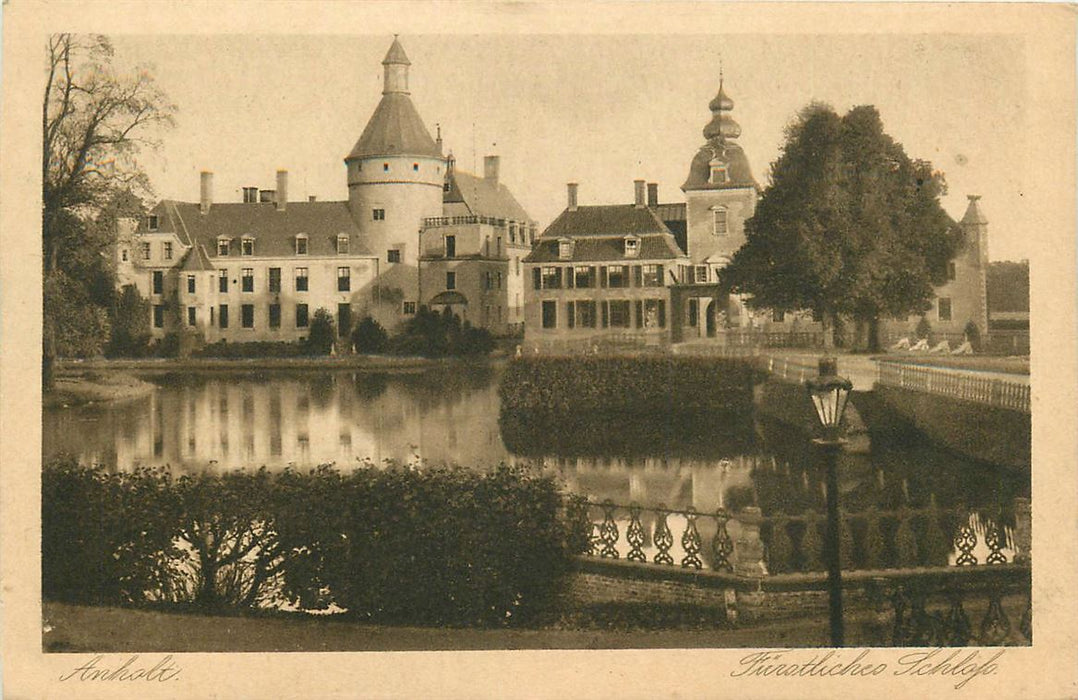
(849, 225)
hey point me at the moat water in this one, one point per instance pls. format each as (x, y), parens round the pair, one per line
(452, 414)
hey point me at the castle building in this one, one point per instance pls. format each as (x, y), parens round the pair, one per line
(260, 268)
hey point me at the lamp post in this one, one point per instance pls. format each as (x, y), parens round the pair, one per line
(829, 393)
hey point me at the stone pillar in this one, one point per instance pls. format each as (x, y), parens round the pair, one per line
(749, 548)
(1023, 531)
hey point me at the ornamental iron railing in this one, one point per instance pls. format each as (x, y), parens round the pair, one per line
(963, 386)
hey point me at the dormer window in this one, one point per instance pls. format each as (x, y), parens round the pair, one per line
(222, 246)
(632, 246)
(565, 249)
(151, 222)
(719, 221)
(301, 244)
(342, 244)
(718, 172)
(247, 245)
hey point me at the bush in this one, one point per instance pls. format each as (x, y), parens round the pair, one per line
(430, 334)
(924, 328)
(130, 322)
(106, 538)
(973, 335)
(369, 336)
(437, 546)
(323, 333)
(257, 348)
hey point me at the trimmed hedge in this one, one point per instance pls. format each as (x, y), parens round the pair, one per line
(445, 546)
(630, 384)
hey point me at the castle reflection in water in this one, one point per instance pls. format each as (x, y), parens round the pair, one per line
(451, 415)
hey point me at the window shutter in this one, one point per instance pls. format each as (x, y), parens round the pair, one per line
(571, 313)
(602, 277)
(606, 312)
(639, 312)
(662, 313)
(537, 277)
(557, 277)
(662, 282)
(638, 276)
(571, 281)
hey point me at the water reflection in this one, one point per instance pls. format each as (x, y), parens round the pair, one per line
(452, 415)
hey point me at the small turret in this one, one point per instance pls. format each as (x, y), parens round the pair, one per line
(395, 65)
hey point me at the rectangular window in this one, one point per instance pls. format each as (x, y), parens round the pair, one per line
(450, 280)
(274, 315)
(639, 313)
(701, 274)
(378, 214)
(275, 279)
(550, 314)
(151, 222)
(498, 249)
(344, 320)
(123, 255)
(952, 271)
(344, 279)
(618, 276)
(247, 315)
(190, 284)
(222, 246)
(342, 244)
(694, 312)
(498, 279)
(409, 308)
(393, 256)
(450, 246)
(584, 277)
(654, 313)
(653, 275)
(222, 281)
(585, 314)
(943, 305)
(158, 282)
(620, 314)
(301, 279)
(487, 284)
(778, 316)
(168, 250)
(537, 278)
(248, 279)
(570, 314)
(720, 221)
(145, 247)
(301, 316)
(551, 278)
(212, 321)
(516, 265)
(159, 316)
(222, 315)
(247, 246)
(191, 317)
(301, 245)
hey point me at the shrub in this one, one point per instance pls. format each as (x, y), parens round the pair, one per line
(106, 538)
(130, 321)
(257, 348)
(430, 334)
(322, 335)
(973, 335)
(924, 328)
(369, 336)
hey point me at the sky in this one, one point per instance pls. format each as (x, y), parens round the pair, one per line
(599, 110)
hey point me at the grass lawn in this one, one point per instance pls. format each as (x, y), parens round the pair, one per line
(73, 628)
(80, 387)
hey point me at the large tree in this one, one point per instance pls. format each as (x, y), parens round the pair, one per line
(95, 120)
(849, 226)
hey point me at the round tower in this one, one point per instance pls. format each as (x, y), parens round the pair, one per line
(395, 171)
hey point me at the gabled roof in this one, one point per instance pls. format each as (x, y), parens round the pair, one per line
(605, 220)
(274, 231)
(196, 260)
(395, 128)
(483, 197)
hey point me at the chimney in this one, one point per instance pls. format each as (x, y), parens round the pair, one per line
(282, 189)
(638, 187)
(572, 196)
(490, 169)
(311, 198)
(250, 195)
(653, 194)
(205, 198)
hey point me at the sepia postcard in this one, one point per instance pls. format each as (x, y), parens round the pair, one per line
(537, 349)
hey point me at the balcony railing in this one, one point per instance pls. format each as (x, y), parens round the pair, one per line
(437, 221)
